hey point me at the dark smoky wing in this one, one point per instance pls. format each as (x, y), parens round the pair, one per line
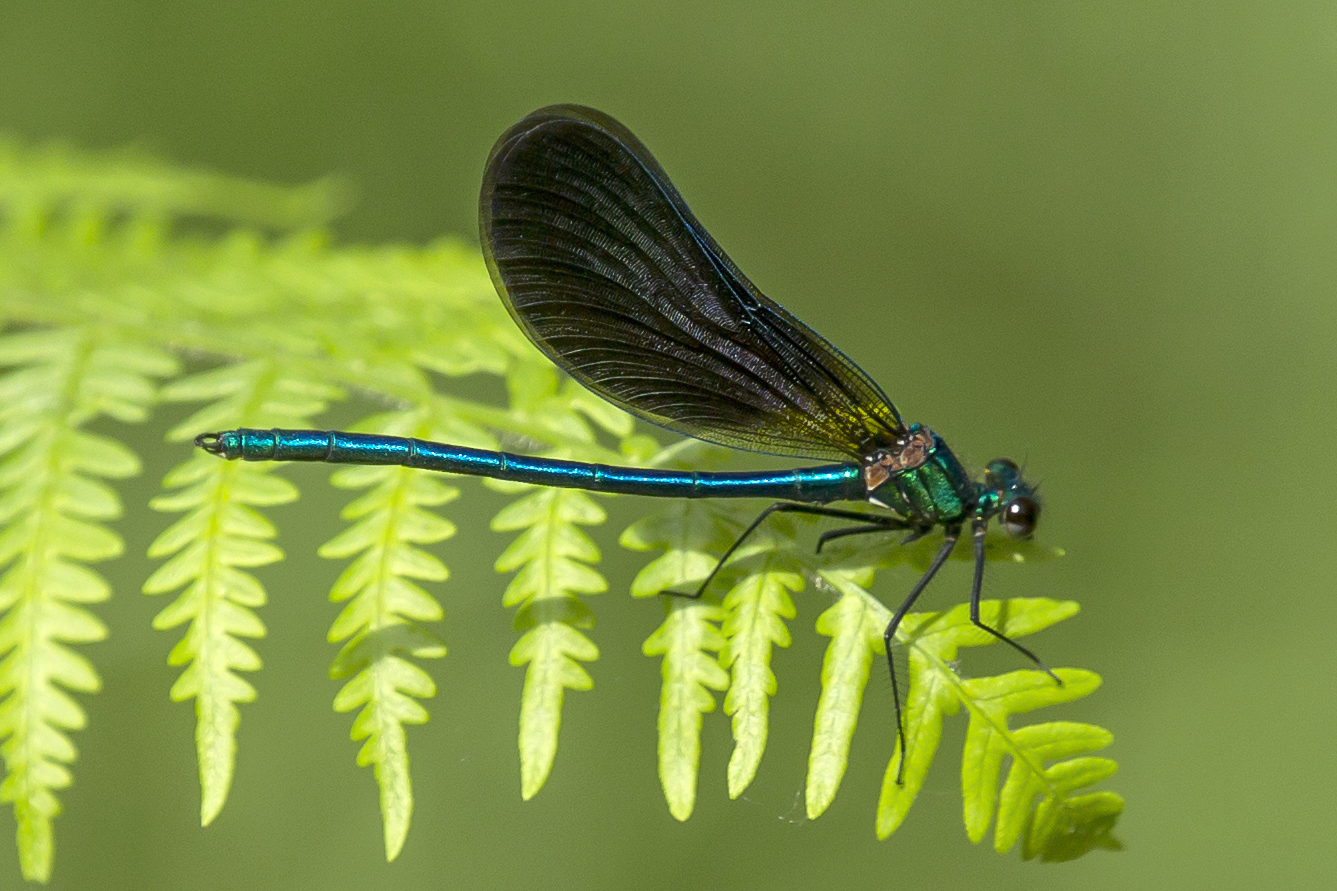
(600, 262)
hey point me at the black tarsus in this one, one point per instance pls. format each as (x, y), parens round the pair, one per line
(866, 529)
(951, 534)
(975, 607)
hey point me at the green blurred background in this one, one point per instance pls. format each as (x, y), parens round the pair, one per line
(1099, 238)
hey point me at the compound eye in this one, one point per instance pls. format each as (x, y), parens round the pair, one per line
(1002, 472)
(1020, 516)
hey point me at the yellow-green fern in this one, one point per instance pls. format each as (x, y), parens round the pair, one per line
(112, 302)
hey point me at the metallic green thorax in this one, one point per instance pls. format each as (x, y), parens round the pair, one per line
(920, 479)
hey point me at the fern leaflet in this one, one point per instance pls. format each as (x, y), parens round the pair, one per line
(689, 639)
(384, 623)
(210, 548)
(855, 624)
(756, 610)
(52, 508)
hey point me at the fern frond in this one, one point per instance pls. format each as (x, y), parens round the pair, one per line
(552, 556)
(88, 251)
(1063, 824)
(53, 507)
(691, 533)
(756, 610)
(383, 624)
(209, 549)
(688, 641)
(36, 182)
(855, 624)
(766, 571)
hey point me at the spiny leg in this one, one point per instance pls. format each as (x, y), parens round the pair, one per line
(884, 524)
(975, 589)
(786, 507)
(952, 534)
